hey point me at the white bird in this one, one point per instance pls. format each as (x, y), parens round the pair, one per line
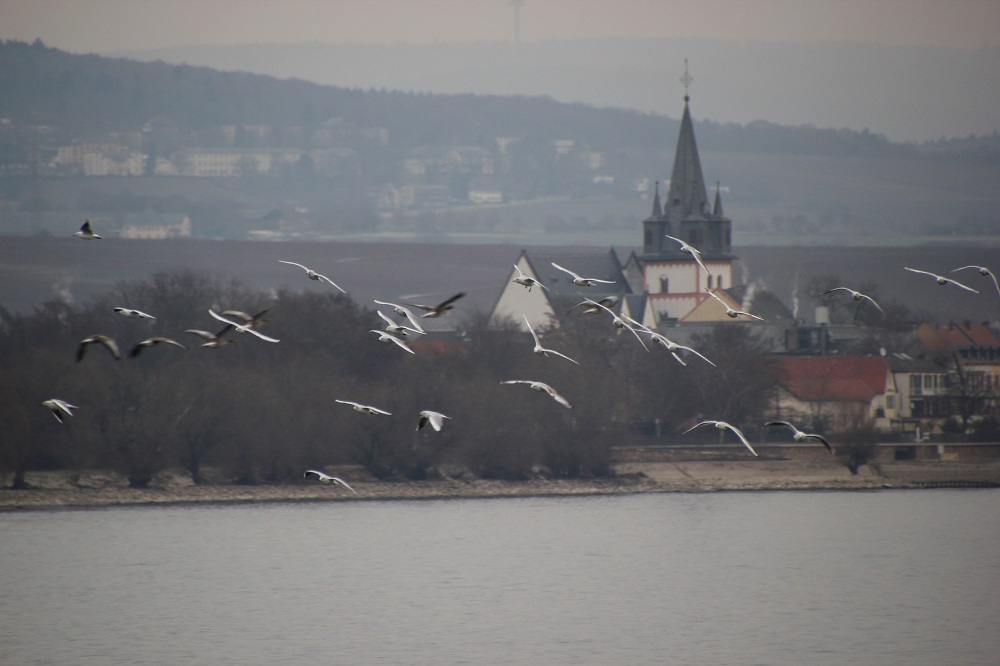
(59, 407)
(152, 342)
(592, 307)
(213, 340)
(432, 311)
(241, 328)
(133, 314)
(364, 409)
(618, 321)
(799, 436)
(539, 349)
(384, 336)
(86, 233)
(856, 295)
(694, 252)
(673, 347)
(313, 275)
(941, 279)
(326, 478)
(722, 425)
(436, 419)
(527, 280)
(404, 312)
(985, 272)
(105, 340)
(579, 280)
(542, 387)
(254, 321)
(731, 313)
(397, 329)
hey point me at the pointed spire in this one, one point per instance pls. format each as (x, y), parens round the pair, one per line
(717, 208)
(657, 208)
(687, 194)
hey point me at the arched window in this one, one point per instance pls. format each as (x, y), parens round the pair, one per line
(664, 284)
(718, 282)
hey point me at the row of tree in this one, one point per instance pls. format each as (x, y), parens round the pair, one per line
(257, 412)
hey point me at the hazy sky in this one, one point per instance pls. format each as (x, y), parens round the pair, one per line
(102, 26)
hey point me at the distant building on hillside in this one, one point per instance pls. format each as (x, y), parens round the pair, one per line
(662, 285)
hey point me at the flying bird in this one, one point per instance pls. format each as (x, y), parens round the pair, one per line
(856, 295)
(241, 328)
(254, 321)
(404, 312)
(593, 307)
(133, 314)
(673, 347)
(326, 478)
(432, 311)
(722, 425)
(618, 321)
(384, 336)
(436, 419)
(364, 409)
(527, 280)
(105, 340)
(213, 340)
(985, 272)
(539, 349)
(542, 387)
(694, 252)
(731, 313)
(59, 408)
(799, 436)
(397, 329)
(941, 279)
(313, 275)
(86, 233)
(579, 280)
(152, 342)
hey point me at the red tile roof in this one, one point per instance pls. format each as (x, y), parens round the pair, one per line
(840, 378)
(961, 336)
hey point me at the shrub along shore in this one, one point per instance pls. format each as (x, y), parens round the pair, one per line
(59, 490)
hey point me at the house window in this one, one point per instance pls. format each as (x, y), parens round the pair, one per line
(664, 284)
(890, 402)
(648, 238)
(718, 282)
(915, 385)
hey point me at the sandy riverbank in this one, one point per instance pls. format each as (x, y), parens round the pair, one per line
(102, 490)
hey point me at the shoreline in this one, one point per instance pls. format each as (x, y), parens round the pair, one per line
(105, 490)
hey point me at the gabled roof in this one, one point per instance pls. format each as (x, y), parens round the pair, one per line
(952, 337)
(832, 378)
(605, 266)
(900, 362)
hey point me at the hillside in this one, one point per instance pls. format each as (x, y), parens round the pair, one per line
(782, 185)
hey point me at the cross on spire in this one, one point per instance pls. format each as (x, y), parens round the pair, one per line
(686, 80)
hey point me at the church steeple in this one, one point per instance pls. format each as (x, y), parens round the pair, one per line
(717, 208)
(687, 196)
(657, 208)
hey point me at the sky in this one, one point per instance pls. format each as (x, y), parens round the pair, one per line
(105, 26)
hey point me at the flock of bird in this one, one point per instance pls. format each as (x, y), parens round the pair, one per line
(236, 321)
(395, 333)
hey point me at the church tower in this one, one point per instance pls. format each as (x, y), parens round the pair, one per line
(674, 282)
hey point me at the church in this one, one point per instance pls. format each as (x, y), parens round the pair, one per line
(663, 285)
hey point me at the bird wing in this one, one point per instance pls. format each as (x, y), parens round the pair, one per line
(742, 438)
(553, 351)
(677, 357)
(820, 439)
(348, 402)
(914, 270)
(318, 474)
(872, 301)
(782, 423)
(633, 331)
(449, 301)
(385, 319)
(204, 335)
(305, 268)
(566, 270)
(399, 342)
(698, 425)
(753, 316)
(697, 257)
(959, 284)
(337, 479)
(216, 315)
(699, 354)
(326, 279)
(830, 291)
(555, 396)
(531, 330)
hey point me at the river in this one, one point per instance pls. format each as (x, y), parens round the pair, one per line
(889, 577)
